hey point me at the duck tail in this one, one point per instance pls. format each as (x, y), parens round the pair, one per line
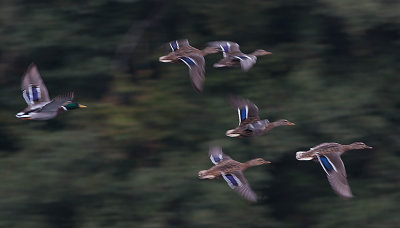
(302, 155)
(232, 133)
(203, 174)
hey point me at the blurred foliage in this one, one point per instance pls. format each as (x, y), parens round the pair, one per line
(131, 159)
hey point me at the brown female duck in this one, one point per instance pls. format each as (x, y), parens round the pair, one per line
(233, 57)
(249, 121)
(192, 57)
(328, 155)
(231, 171)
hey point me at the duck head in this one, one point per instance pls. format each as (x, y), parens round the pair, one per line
(257, 161)
(359, 145)
(261, 52)
(73, 105)
(283, 122)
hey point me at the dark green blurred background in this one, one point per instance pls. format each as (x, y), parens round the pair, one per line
(131, 159)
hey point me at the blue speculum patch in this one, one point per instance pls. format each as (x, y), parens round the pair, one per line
(326, 163)
(35, 93)
(243, 114)
(216, 159)
(188, 61)
(232, 179)
(174, 46)
(225, 48)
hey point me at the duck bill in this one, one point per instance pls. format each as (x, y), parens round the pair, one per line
(268, 162)
(82, 106)
(267, 53)
(291, 123)
(369, 147)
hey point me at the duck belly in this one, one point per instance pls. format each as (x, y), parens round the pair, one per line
(43, 115)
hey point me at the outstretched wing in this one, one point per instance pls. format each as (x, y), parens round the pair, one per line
(58, 102)
(238, 182)
(216, 155)
(246, 61)
(227, 47)
(33, 88)
(176, 44)
(336, 173)
(246, 109)
(196, 66)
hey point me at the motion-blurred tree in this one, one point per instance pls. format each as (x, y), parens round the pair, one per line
(131, 158)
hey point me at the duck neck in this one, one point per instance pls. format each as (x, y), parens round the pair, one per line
(255, 53)
(352, 146)
(346, 147)
(249, 163)
(273, 125)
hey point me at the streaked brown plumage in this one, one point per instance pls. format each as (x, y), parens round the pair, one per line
(328, 155)
(231, 171)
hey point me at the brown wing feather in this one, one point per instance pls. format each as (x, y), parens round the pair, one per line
(339, 184)
(326, 148)
(238, 102)
(216, 151)
(244, 190)
(338, 178)
(197, 71)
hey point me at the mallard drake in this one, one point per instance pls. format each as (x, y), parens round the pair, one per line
(249, 121)
(35, 93)
(192, 57)
(233, 57)
(328, 155)
(231, 171)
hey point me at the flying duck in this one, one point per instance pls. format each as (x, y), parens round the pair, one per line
(328, 156)
(35, 93)
(231, 171)
(249, 122)
(233, 57)
(181, 51)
